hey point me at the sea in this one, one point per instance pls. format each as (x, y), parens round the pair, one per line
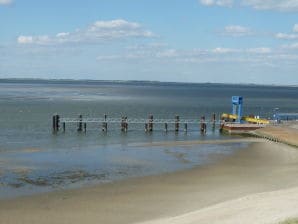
(34, 160)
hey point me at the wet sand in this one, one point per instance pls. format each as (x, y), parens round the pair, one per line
(196, 142)
(263, 167)
(287, 133)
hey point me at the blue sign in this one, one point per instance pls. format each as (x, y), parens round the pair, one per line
(237, 99)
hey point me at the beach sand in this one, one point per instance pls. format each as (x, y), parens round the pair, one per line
(258, 184)
(285, 133)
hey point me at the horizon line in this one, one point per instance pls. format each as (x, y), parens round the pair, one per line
(140, 81)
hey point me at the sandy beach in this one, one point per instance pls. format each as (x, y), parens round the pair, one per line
(285, 133)
(253, 183)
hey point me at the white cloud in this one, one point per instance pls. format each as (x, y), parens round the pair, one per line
(278, 5)
(295, 28)
(5, 2)
(289, 36)
(260, 50)
(220, 50)
(62, 34)
(217, 2)
(25, 39)
(114, 24)
(293, 46)
(207, 2)
(98, 31)
(169, 53)
(219, 54)
(43, 40)
(286, 36)
(237, 31)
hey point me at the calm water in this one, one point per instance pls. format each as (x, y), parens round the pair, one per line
(32, 159)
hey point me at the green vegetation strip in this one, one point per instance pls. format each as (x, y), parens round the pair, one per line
(290, 221)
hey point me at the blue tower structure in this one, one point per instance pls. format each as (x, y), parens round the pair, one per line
(237, 102)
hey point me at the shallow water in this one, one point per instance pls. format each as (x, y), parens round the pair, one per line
(32, 159)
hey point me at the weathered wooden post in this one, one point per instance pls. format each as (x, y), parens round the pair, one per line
(185, 127)
(203, 125)
(150, 123)
(54, 124)
(222, 124)
(80, 123)
(146, 127)
(57, 122)
(213, 117)
(213, 120)
(177, 119)
(85, 127)
(105, 124)
(125, 124)
(122, 123)
(63, 125)
(166, 127)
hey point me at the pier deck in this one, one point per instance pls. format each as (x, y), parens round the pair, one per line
(125, 121)
(134, 120)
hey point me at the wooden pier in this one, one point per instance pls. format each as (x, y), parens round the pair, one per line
(124, 122)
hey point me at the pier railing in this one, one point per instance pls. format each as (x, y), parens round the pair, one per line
(130, 120)
(125, 121)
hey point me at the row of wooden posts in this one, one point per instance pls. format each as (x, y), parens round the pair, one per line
(82, 126)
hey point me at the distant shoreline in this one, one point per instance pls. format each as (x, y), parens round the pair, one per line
(131, 82)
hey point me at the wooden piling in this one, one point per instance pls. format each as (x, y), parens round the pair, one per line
(105, 124)
(213, 120)
(80, 123)
(63, 125)
(185, 127)
(150, 125)
(85, 127)
(57, 122)
(203, 125)
(124, 124)
(54, 123)
(222, 124)
(177, 119)
(166, 127)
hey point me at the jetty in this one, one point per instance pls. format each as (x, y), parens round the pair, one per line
(124, 122)
(234, 123)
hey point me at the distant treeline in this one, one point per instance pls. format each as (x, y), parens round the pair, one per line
(119, 82)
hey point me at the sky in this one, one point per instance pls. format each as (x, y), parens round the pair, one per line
(217, 41)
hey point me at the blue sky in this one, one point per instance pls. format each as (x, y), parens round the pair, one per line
(226, 41)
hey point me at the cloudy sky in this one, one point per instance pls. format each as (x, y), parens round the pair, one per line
(229, 41)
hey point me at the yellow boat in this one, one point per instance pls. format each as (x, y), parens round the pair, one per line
(229, 116)
(255, 120)
(245, 118)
